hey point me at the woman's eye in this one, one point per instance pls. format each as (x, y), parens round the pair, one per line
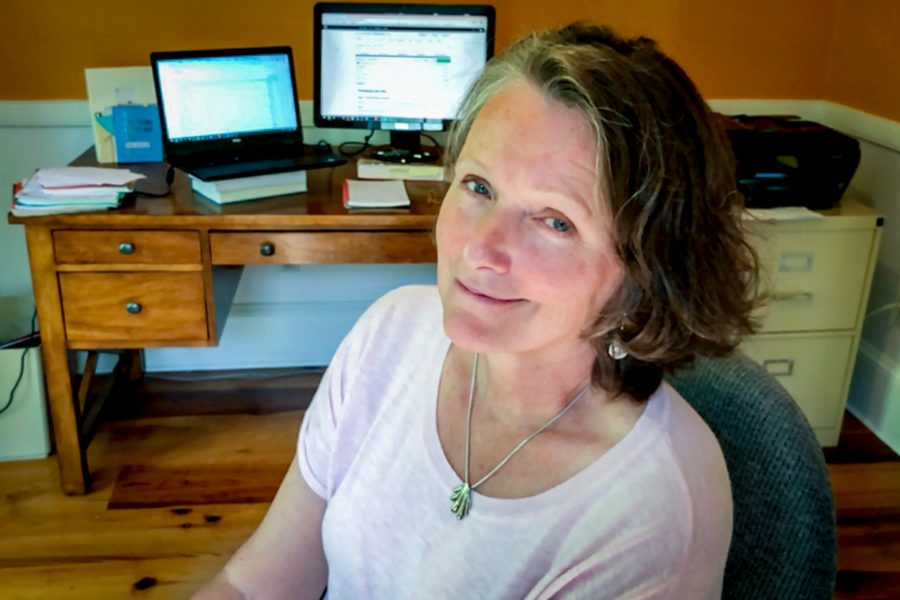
(558, 225)
(477, 187)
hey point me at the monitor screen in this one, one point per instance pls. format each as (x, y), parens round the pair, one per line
(211, 97)
(401, 68)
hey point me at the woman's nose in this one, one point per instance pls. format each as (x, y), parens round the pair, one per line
(490, 243)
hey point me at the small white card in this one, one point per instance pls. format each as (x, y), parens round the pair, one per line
(783, 213)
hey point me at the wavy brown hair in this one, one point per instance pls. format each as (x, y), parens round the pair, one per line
(666, 170)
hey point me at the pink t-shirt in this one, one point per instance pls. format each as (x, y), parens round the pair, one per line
(651, 518)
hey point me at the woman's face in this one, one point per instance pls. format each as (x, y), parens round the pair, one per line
(525, 256)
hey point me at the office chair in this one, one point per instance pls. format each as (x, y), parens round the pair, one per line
(784, 541)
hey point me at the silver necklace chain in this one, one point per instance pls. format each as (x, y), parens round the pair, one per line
(461, 497)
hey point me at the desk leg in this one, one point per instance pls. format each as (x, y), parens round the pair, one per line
(64, 411)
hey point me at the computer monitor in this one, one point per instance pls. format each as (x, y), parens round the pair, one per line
(403, 68)
(228, 99)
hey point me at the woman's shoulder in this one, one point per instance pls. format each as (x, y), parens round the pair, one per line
(405, 317)
(420, 300)
(692, 443)
(700, 466)
(416, 302)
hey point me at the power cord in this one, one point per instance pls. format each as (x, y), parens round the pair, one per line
(363, 146)
(15, 386)
(882, 309)
(433, 141)
(170, 177)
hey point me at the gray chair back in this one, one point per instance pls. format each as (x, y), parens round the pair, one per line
(784, 540)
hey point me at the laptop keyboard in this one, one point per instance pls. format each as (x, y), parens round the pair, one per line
(247, 168)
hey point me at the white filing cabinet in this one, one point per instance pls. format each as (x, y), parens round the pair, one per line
(817, 274)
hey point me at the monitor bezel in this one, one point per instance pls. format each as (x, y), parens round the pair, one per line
(229, 144)
(322, 8)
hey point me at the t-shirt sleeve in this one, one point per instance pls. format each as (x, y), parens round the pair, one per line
(318, 432)
(348, 398)
(649, 571)
(341, 408)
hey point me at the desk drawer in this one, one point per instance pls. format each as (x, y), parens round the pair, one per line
(119, 307)
(126, 247)
(321, 247)
(815, 279)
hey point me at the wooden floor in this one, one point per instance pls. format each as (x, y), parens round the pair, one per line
(183, 472)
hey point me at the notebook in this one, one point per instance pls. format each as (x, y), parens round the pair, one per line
(232, 113)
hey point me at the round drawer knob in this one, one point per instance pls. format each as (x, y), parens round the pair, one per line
(133, 307)
(267, 248)
(126, 248)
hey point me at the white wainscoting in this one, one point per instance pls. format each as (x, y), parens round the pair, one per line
(296, 317)
(291, 316)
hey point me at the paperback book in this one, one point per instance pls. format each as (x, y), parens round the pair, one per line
(369, 168)
(240, 189)
(374, 194)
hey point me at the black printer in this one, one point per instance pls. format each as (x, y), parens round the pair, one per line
(786, 161)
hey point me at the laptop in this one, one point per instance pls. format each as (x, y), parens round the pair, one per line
(232, 113)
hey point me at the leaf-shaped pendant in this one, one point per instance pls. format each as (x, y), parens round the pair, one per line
(460, 500)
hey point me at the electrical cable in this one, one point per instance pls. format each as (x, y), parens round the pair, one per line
(433, 141)
(15, 386)
(170, 177)
(152, 194)
(882, 309)
(363, 146)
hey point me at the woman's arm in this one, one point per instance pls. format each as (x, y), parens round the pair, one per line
(284, 557)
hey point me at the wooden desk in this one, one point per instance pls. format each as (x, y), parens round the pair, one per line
(161, 272)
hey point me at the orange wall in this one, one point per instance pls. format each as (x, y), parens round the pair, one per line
(732, 49)
(864, 66)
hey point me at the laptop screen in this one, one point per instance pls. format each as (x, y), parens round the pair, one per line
(212, 97)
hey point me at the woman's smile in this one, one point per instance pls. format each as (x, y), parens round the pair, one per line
(487, 297)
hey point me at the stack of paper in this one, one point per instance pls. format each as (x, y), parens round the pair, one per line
(72, 189)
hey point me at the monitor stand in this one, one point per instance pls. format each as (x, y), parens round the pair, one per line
(406, 148)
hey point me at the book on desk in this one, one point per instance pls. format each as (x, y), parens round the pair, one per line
(369, 168)
(241, 189)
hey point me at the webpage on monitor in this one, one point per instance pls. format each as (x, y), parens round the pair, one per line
(406, 71)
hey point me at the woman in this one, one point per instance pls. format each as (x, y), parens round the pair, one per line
(508, 434)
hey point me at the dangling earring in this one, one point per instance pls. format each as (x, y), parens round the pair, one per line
(616, 349)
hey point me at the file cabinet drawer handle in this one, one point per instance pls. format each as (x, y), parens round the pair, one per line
(134, 307)
(795, 262)
(126, 248)
(792, 297)
(779, 367)
(267, 248)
